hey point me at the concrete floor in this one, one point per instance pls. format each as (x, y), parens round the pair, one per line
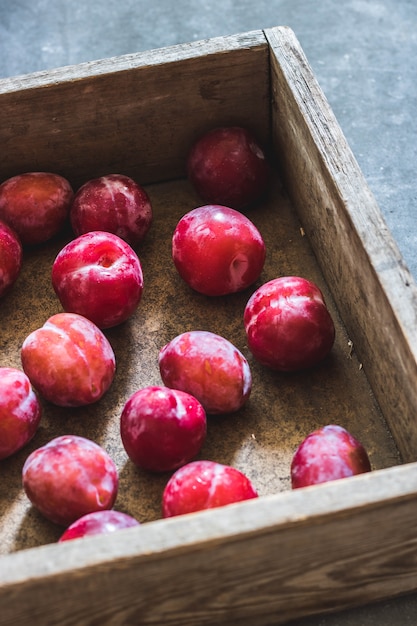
(363, 53)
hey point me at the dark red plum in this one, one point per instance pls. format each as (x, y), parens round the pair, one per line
(11, 258)
(162, 428)
(217, 250)
(35, 205)
(328, 453)
(114, 203)
(98, 275)
(227, 165)
(288, 325)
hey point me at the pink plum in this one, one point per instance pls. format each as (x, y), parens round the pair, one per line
(20, 411)
(69, 360)
(35, 205)
(98, 275)
(288, 325)
(217, 250)
(209, 367)
(227, 166)
(161, 428)
(11, 256)
(98, 523)
(69, 477)
(204, 485)
(328, 453)
(114, 203)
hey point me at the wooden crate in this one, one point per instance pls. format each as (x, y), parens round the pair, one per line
(289, 553)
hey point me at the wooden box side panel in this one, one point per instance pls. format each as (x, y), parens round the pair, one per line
(135, 114)
(349, 236)
(250, 564)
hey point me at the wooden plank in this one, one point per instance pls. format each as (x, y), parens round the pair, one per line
(135, 114)
(374, 291)
(252, 564)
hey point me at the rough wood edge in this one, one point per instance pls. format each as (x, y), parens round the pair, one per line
(122, 63)
(327, 187)
(305, 551)
(103, 117)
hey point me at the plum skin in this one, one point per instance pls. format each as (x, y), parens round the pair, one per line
(205, 484)
(98, 523)
(114, 203)
(69, 477)
(209, 367)
(161, 428)
(20, 411)
(35, 205)
(11, 258)
(328, 453)
(288, 325)
(227, 165)
(217, 250)
(98, 275)
(69, 360)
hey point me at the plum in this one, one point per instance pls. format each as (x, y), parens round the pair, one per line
(98, 275)
(20, 411)
(217, 250)
(288, 325)
(161, 428)
(328, 453)
(98, 523)
(115, 203)
(202, 485)
(11, 258)
(35, 205)
(69, 360)
(69, 477)
(209, 367)
(227, 165)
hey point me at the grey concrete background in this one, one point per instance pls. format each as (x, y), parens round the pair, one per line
(363, 53)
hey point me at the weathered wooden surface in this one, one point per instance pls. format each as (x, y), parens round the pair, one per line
(375, 292)
(135, 114)
(254, 564)
(289, 553)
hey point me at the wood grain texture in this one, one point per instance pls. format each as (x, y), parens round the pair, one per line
(136, 114)
(374, 291)
(251, 564)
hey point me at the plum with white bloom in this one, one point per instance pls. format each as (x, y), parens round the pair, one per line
(98, 523)
(209, 367)
(205, 485)
(20, 411)
(68, 477)
(114, 203)
(69, 360)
